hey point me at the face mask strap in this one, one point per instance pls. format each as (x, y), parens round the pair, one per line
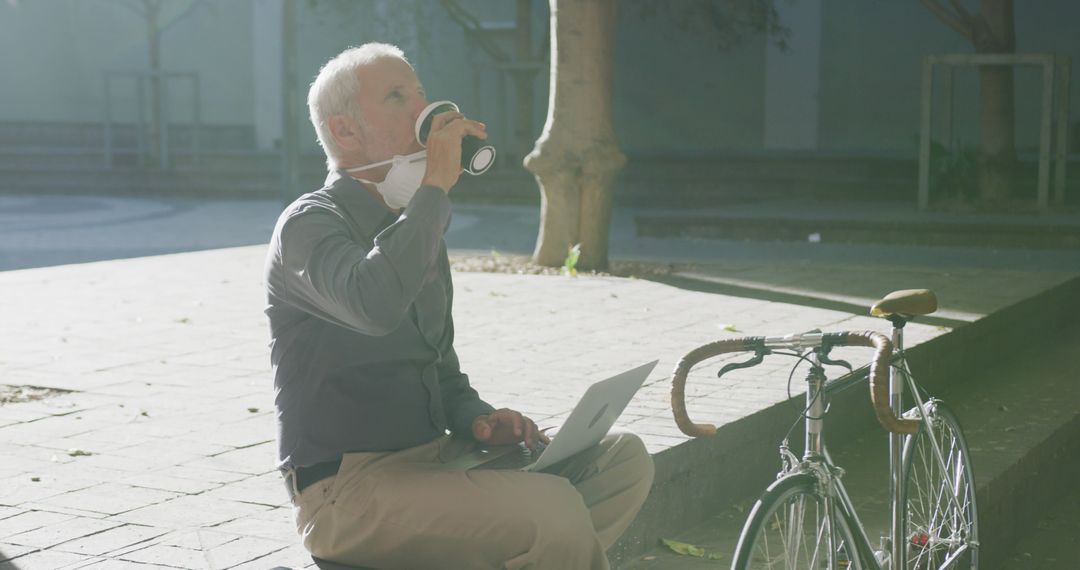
(369, 166)
(397, 158)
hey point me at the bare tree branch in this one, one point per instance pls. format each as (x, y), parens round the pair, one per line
(191, 8)
(472, 25)
(134, 8)
(949, 18)
(958, 5)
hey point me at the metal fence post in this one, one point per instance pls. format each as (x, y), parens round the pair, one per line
(924, 142)
(163, 131)
(140, 127)
(108, 127)
(1062, 151)
(1044, 134)
(196, 113)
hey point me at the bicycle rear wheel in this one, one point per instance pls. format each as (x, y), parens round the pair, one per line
(791, 527)
(940, 515)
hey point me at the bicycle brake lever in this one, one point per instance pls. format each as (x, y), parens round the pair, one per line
(758, 358)
(824, 358)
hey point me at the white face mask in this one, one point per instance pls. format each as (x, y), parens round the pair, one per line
(402, 181)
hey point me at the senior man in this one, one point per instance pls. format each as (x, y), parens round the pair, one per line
(371, 401)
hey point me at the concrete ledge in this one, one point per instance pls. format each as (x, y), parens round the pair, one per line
(1011, 503)
(908, 232)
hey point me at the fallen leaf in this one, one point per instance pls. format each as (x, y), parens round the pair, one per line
(728, 327)
(253, 410)
(689, 549)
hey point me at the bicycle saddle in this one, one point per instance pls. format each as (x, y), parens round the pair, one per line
(907, 302)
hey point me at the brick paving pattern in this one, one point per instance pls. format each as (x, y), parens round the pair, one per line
(162, 455)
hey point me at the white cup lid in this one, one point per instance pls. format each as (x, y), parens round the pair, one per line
(482, 160)
(427, 111)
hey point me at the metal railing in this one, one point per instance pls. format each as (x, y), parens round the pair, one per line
(142, 79)
(1056, 70)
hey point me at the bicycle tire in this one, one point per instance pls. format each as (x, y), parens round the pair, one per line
(936, 529)
(766, 519)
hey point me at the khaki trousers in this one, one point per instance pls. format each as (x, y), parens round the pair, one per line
(403, 511)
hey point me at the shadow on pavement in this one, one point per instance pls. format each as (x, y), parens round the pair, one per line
(765, 294)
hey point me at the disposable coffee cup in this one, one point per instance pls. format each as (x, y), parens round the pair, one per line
(476, 155)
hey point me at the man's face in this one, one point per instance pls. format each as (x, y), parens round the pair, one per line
(391, 98)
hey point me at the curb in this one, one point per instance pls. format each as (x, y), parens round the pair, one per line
(910, 232)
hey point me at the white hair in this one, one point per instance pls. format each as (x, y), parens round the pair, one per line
(335, 91)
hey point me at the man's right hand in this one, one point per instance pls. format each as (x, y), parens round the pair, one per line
(444, 148)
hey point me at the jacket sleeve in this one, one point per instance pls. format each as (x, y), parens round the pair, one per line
(325, 272)
(460, 400)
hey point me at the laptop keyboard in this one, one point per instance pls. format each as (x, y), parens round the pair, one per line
(515, 460)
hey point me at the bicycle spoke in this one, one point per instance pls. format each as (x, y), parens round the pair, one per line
(939, 509)
(817, 543)
(796, 530)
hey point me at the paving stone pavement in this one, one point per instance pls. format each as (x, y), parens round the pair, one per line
(162, 455)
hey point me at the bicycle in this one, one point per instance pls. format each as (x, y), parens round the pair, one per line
(805, 519)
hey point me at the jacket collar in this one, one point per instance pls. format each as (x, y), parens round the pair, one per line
(369, 215)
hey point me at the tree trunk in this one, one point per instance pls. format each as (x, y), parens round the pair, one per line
(523, 79)
(997, 112)
(576, 158)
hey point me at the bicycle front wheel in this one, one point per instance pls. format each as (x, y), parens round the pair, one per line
(940, 517)
(793, 526)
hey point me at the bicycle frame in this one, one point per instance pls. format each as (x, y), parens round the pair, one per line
(887, 377)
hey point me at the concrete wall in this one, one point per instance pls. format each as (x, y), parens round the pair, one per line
(851, 84)
(871, 74)
(56, 50)
(448, 65)
(678, 93)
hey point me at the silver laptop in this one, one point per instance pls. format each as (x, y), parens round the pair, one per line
(588, 423)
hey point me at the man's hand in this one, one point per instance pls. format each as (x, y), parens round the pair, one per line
(444, 147)
(503, 427)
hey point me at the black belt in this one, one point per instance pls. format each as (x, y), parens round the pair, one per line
(308, 476)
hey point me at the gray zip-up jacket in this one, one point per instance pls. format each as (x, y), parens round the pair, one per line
(362, 339)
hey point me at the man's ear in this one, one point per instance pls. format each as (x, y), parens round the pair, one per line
(346, 133)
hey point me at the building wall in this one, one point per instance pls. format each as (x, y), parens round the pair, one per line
(871, 77)
(676, 93)
(57, 50)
